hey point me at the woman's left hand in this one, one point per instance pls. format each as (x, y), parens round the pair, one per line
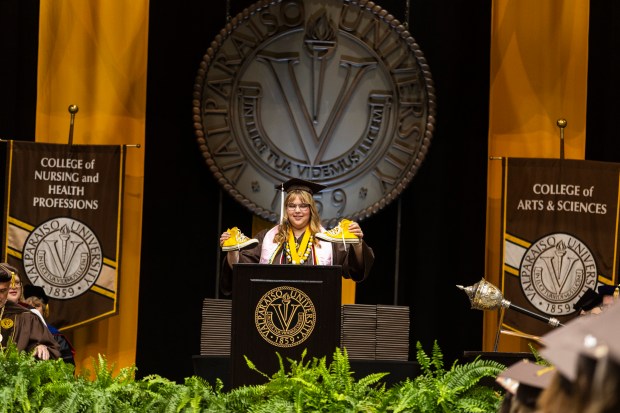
(355, 229)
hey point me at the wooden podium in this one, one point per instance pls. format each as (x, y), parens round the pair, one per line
(282, 309)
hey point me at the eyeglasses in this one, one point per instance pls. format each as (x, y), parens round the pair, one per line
(16, 284)
(302, 207)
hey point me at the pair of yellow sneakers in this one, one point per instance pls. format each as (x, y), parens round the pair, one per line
(340, 233)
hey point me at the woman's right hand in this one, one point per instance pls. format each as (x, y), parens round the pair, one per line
(225, 235)
(231, 256)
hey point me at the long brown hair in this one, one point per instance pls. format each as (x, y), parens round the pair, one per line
(315, 220)
(557, 397)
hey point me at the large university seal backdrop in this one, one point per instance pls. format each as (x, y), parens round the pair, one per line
(336, 92)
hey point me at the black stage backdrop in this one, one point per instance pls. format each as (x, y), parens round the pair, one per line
(443, 210)
(19, 41)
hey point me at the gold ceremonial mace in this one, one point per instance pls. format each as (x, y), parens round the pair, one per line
(485, 296)
(73, 109)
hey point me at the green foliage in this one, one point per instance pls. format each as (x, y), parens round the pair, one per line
(26, 384)
(455, 390)
(537, 357)
(29, 385)
(315, 386)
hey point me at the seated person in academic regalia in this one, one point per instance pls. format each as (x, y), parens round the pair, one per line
(36, 297)
(20, 325)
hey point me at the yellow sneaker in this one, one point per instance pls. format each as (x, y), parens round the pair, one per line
(237, 240)
(340, 233)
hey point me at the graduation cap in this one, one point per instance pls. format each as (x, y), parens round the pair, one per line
(588, 300)
(604, 333)
(35, 291)
(592, 336)
(526, 380)
(7, 273)
(564, 345)
(301, 185)
(607, 289)
(297, 184)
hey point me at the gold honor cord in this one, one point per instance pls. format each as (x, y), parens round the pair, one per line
(303, 247)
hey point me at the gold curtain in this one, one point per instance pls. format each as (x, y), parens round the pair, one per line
(539, 56)
(94, 54)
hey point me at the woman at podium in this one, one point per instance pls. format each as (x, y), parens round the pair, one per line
(299, 239)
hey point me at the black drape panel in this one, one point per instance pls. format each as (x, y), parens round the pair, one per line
(19, 39)
(179, 237)
(602, 132)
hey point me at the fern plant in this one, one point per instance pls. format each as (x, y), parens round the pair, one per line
(454, 390)
(29, 385)
(25, 383)
(315, 386)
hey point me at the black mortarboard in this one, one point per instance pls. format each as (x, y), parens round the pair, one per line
(302, 185)
(604, 332)
(563, 345)
(35, 291)
(7, 273)
(588, 301)
(606, 289)
(592, 335)
(526, 380)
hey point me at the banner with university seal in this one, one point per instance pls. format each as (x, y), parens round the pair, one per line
(61, 225)
(560, 236)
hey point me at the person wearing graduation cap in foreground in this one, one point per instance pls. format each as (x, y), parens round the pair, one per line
(300, 239)
(523, 381)
(586, 354)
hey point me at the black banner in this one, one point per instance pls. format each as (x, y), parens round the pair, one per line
(560, 235)
(62, 220)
